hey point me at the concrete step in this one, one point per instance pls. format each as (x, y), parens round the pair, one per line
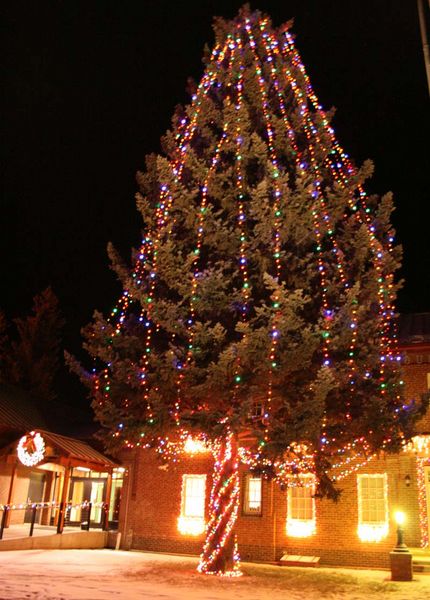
(77, 540)
(421, 564)
(296, 560)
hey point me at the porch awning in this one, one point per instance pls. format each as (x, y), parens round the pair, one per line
(61, 450)
(74, 451)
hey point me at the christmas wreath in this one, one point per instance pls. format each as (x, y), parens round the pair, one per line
(31, 449)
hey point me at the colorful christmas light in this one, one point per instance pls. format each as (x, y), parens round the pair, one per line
(337, 160)
(422, 500)
(287, 109)
(220, 555)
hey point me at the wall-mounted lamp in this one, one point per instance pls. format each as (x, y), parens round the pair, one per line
(407, 480)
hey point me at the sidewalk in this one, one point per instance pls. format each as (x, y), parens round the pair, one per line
(120, 575)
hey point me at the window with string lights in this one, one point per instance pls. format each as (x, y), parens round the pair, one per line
(301, 517)
(192, 518)
(372, 507)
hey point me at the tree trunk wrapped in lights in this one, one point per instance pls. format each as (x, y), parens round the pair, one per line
(220, 554)
(265, 276)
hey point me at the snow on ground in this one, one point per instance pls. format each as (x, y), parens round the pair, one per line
(109, 574)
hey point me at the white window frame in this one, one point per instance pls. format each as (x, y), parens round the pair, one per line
(296, 526)
(252, 496)
(372, 529)
(192, 522)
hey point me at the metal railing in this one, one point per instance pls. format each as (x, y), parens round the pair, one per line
(63, 517)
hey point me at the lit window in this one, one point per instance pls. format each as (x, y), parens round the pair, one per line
(301, 518)
(257, 411)
(372, 507)
(252, 495)
(192, 518)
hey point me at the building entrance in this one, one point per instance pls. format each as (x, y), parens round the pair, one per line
(87, 490)
(36, 487)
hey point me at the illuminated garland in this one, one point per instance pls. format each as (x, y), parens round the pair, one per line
(51, 504)
(341, 167)
(422, 500)
(147, 252)
(221, 543)
(36, 441)
(300, 462)
(420, 444)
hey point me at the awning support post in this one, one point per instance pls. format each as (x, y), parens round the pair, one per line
(63, 502)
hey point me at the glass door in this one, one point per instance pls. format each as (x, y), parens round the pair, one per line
(77, 497)
(96, 498)
(85, 489)
(36, 487)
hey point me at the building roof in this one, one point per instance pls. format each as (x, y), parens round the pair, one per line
(65, 451)
(18, 416)
(75, 449)
(414, 328)
(17, 413)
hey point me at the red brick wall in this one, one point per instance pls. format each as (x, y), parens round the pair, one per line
(152, 497)
(336, 540)
(151, 504)
(416, 368)
(155, 497)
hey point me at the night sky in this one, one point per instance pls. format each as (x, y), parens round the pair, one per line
(90, 86)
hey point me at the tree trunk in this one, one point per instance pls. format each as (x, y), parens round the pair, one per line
(220, 555)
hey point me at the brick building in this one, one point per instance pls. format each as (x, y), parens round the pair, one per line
(61, 470)
(164, 507)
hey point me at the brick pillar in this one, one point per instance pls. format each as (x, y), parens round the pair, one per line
(401, 566)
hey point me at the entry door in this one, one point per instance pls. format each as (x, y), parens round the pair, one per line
(90, 490)
(35, 493)
(78, 495)
(96, 497)
(427, 480)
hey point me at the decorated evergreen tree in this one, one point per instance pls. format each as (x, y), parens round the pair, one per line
(261, 298)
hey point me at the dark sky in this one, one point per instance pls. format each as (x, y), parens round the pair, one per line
(90, 86)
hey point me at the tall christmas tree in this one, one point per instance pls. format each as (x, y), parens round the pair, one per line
(261, 298)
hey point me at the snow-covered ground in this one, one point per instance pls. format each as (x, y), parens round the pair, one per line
(109, 574)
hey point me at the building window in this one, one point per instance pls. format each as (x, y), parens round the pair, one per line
(192, 518)
(252, 495)
(115, 496)
(372, 507)
(301, 517)
(257, 411)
